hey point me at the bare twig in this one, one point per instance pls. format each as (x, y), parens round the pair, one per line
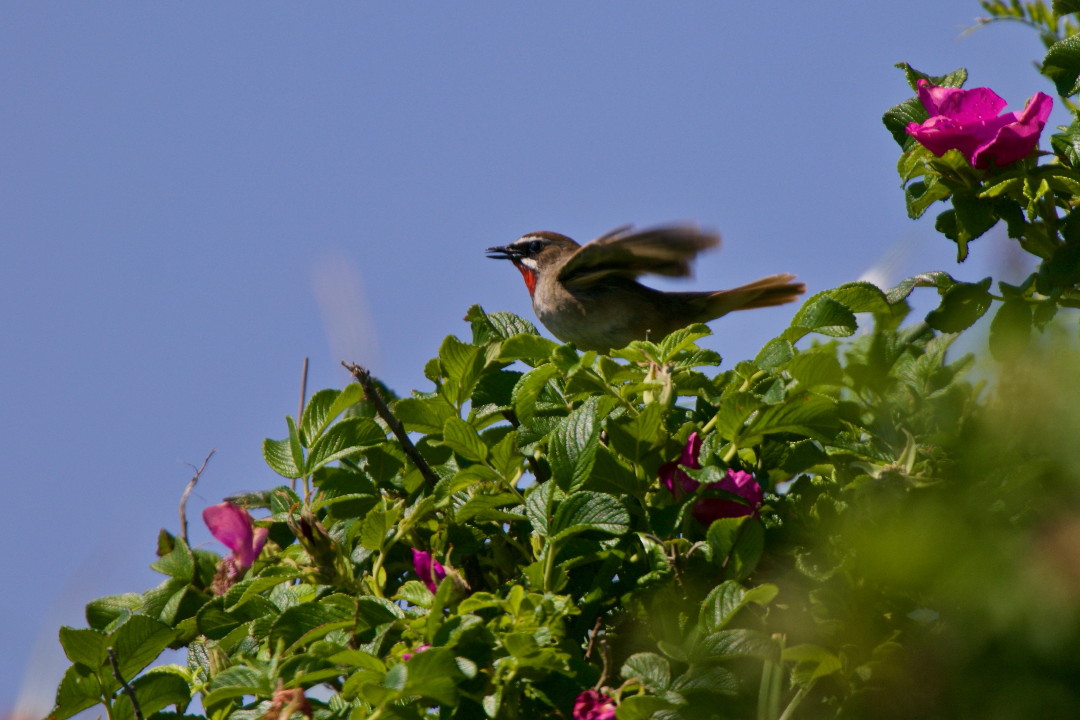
(371, 392)
(128, 690)
(303, 401)
(187, 492)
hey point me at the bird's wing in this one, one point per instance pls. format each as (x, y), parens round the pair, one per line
(625, 253)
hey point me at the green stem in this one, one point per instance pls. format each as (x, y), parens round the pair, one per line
(789, 711)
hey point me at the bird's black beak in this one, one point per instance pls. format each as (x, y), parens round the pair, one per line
(503, 252)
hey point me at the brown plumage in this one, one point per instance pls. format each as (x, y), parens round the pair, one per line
(589, 294)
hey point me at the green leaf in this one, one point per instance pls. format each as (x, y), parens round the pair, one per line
(938, 279)
(432, 674)
(138, 642)
(426, 415)
(344, 439)
(373, 612)
(822, 314)
(86, 646)
(727, 599)
(301, 620)
(156, 690)
(811, 415)
(496, 325)
(815, 368)
(585, 510)
(323, 407)
(538, 507)
(463, 439)
(960, 307)
(462, 365)
(1066, 7)
(739, 642)
(634, 437)
(79, 689)
(812, 662)
(1062, 65)
(737, 544)
(653, 670)
(278, 454)
(528, 389)
(919, 196)
(526, 346)
(1010, 330)
(572, 446)
(640, 707)
(775, 353)
(102, 611)
(178, 563)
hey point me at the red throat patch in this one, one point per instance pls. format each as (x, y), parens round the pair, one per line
(529, 275)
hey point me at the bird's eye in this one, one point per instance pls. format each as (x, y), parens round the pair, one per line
(535, 246)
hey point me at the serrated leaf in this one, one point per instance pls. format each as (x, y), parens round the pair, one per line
(463, 439)
(1062, 65)
(155, 691)
(811, 415)
(526, 346)
(138, 642)
(426, 415)
(278, 455)
(572, 446)
(727, 599)
(640, 707)
(816, 367)
(822, 314)
(431, 674)
(653, 670)
(344, 439)
(775, 353)
(84, 645)
(739, 642)
(102, 611)
(737, 544)
(812, 662)
(462, 365)
(79, 689)
(294, 623)
(960, 307)
(585, 511)
(938, 279)
(539, 504)
(323, 407)
(635, 437)
(528, 389)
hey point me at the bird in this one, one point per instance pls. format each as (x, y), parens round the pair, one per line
(589, 295)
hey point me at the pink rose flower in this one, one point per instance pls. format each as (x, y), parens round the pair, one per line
(594, 705)
(707, 509)
(968, 121)
(428, 568)
(234, 528)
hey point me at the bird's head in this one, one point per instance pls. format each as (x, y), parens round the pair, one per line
(535, 253)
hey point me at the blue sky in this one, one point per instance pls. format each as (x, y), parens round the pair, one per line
(198, 195)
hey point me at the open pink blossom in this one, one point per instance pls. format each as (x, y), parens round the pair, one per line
(234, 528)
(675, 479)
(594, 705)
(968, 121)
(428, 568)
(737, 482)
(707, 509)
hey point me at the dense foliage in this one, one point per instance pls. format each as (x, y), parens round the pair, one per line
(858, 523)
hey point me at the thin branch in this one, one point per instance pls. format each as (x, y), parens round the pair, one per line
(371, 392)
(187, 492)
(303, 401)
(128, 690)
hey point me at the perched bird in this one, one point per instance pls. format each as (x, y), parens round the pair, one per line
(589, 294)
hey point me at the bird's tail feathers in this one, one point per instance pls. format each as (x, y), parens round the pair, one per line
(765, 292)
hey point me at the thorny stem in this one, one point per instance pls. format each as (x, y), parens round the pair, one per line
(371, 392)
(128, 690)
